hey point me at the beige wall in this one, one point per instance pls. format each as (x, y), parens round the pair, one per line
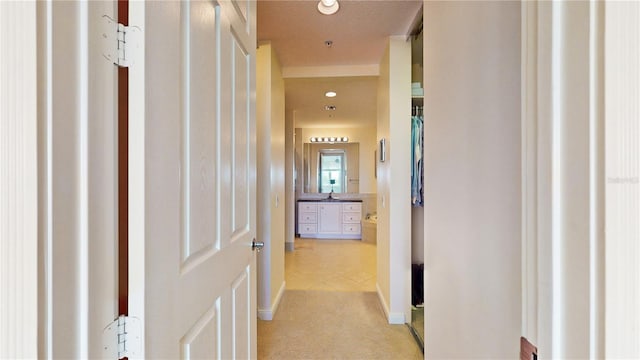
(290, 196)
(270, 181)
(382, 228)
(472, 180)
(393, 182)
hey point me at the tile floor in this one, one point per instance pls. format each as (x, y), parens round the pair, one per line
(330, 309)
(331, 265)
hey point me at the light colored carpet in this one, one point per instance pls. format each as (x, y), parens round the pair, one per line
(312, 324)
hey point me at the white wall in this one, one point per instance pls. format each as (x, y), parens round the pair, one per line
(472, 179)
(271, 180)
(393, 182)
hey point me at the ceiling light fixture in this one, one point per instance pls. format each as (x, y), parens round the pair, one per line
(328, 7)
(330, 94)
(330, 107)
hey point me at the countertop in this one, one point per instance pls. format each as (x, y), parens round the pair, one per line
(329, 200)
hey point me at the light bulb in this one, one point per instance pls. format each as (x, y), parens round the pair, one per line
(328, 7)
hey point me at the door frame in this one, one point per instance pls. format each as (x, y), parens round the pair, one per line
(18, 181)
(77, 179)
(563, 211)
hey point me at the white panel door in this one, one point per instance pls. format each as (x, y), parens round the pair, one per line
(192, 179)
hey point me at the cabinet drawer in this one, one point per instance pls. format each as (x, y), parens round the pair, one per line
(351, 217)
(308, 217)
(307, 207)
(351, 228)
(307, 229)
(352, 207)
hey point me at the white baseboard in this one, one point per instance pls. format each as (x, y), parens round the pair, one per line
(392, 318)
(382, 301)
(396, 318)
(267, 314)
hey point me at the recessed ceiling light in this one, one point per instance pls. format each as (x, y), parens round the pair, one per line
(330, 94)
(328, 7)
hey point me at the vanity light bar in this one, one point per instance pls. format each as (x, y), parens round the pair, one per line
(331, 139)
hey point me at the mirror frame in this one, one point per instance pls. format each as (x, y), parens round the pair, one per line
(352, 171)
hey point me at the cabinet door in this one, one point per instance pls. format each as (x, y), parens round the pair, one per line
(351, 217)
(308, 229)
(307, 218)
(307, 207)
(351, 229)
(330, 219)
(352, 207)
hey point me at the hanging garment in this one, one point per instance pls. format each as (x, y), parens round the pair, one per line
(417, 125)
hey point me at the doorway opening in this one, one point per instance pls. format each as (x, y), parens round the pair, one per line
(309, 121)
(417, 191)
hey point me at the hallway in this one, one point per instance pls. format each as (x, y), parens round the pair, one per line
(330, 309)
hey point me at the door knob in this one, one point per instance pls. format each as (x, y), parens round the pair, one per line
(257, 245)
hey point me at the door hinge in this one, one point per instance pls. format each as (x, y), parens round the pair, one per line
(120, 44)
(122, 338)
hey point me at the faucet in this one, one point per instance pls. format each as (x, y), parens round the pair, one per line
(332, 182)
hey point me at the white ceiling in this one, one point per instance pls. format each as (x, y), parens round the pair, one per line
(359, 31)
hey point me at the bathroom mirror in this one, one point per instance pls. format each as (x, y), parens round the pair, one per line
(327, 167)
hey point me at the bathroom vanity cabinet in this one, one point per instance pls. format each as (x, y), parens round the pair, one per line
(331, 219)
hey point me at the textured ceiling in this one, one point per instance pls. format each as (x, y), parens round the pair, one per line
(359, 31)
(297, 30)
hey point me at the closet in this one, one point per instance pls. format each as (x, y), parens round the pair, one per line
(417, 190)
